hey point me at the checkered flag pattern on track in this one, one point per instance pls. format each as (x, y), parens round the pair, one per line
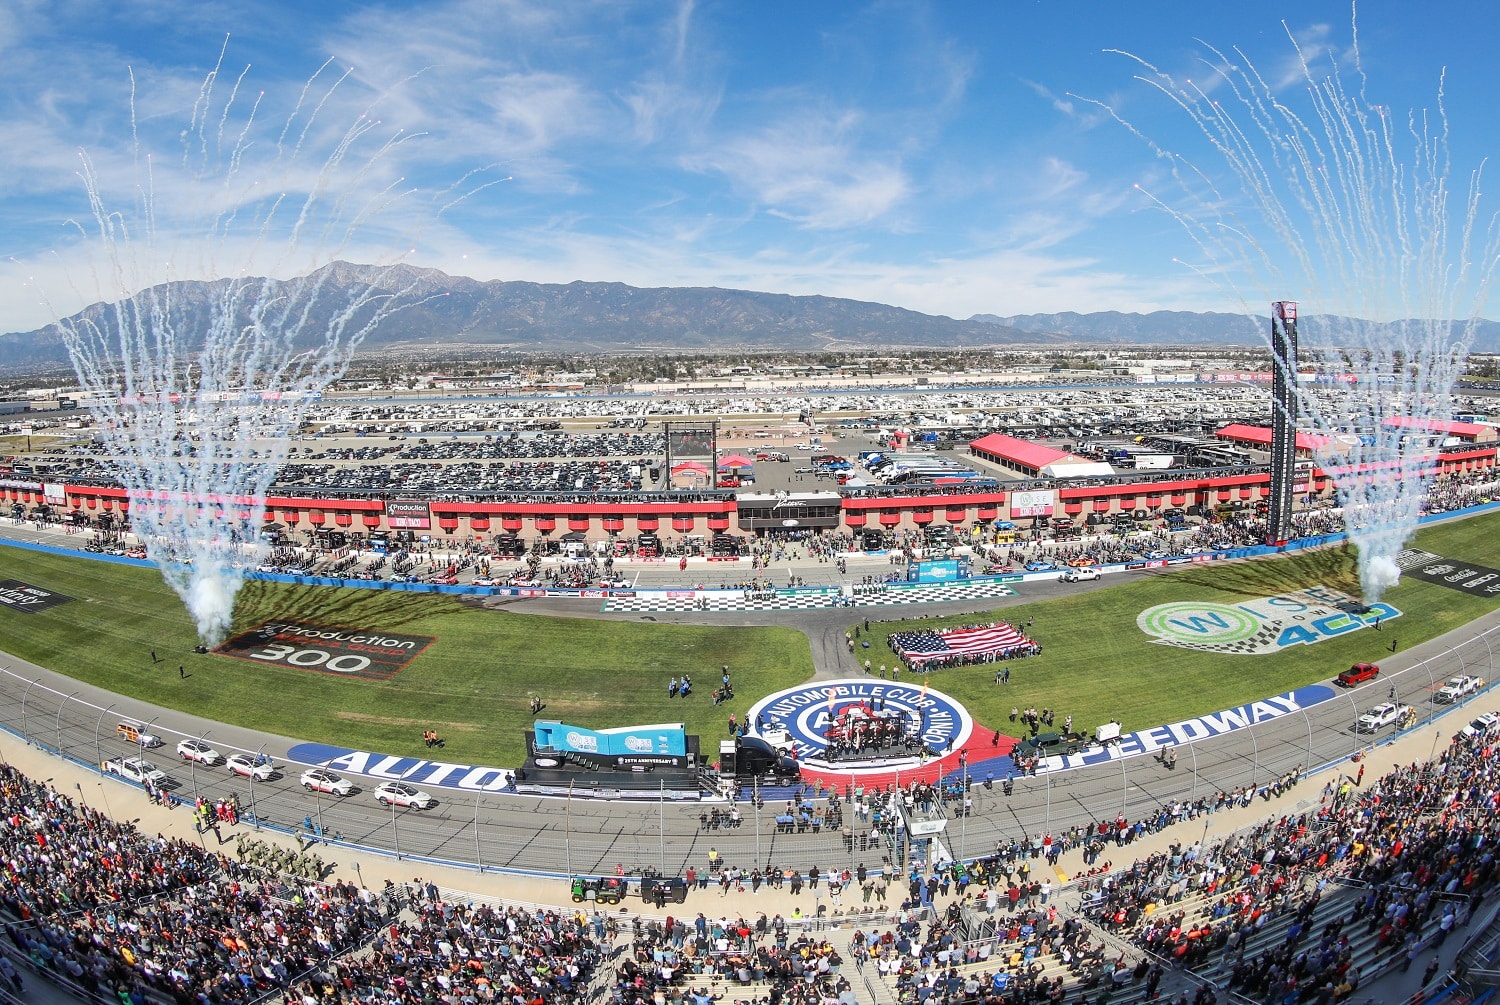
(729, 600)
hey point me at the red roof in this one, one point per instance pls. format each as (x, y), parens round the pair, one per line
(1470, 429)
(1023, 452)
(1261, 436)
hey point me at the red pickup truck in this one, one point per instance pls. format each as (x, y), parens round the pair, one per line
(1357, 674)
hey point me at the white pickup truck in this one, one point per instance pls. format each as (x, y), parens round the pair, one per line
(136, 769)
(1457, 689)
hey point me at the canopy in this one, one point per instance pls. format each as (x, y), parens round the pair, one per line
(697, 466)
(735, 461)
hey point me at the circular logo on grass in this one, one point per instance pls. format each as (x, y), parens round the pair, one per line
(1197, 622)
(803, 714)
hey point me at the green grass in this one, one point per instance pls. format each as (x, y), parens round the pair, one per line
(1097, 665)
(473, 683)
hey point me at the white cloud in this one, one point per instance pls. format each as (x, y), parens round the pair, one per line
(811, 169)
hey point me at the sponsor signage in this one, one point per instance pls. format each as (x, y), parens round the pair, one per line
(348, 651)
(27, 599)
(1261, 626)
(1465, 577)
(1037, 502)
(805, 712)
(408, 514)
(937, 571)
(1199, 728)
(666, 739)
(53, 494)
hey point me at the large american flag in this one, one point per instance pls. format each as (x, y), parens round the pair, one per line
(920, 647)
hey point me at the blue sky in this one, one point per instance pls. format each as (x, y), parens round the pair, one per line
(937, 156)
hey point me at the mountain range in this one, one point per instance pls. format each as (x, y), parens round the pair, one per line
(450, 311)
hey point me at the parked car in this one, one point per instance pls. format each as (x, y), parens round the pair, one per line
(1486, 725)
(1357, 674)
(401, 794)
(323, 780)
(250, 766)
(197, 750)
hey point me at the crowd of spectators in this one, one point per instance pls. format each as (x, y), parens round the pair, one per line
(125, 915)
(668, 958)
(447, 952)
(1416, 841)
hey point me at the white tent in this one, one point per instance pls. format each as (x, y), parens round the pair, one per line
(1076, 467)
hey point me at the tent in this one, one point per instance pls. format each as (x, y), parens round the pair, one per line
(697, 466)
(735, 461)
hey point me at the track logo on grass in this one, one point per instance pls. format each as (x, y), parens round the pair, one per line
(803, 714)
(1265, 625)
(347, 651)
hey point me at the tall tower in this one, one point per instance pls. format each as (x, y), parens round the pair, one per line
(1283, 419)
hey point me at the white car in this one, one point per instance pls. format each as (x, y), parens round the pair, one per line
(1457, 689)
(249, 767)
(482, 581)
(197, 750)
(1385, 714)
(323, 780)
(401, 794)
(1485, 725)
(1080, 576)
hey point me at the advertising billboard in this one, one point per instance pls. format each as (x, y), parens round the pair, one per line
(1037, 502)
(408, 514)
(668, 738)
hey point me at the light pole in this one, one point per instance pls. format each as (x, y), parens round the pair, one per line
(568, 830)
(193, 764)
(25, 735)
(395, 831)
(661, 822)
(60, 706)
(478, 858)
(1254, 765)
(141, 737)
(1124, 783)
(98, 750)
(755, 805)
(254, 765)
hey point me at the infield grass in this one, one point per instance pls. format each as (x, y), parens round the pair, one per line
(474, 682)
(1097, 665)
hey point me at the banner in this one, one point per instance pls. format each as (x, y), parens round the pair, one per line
(352, 652)
(664, 738)
(1465, 577)
(27, 599)
(1038, 502)
(53, 494)
(408, 514)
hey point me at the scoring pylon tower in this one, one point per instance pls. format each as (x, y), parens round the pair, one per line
(1283, 419)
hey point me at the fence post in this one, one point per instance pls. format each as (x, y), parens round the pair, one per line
(60, 706)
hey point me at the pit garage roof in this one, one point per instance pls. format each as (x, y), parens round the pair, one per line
(1260, 436)
(1022, 452)
(1464, 430)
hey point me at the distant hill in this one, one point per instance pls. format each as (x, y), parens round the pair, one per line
(449, 310)
(594, 317)
(1159, 327)
(1177, 328)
